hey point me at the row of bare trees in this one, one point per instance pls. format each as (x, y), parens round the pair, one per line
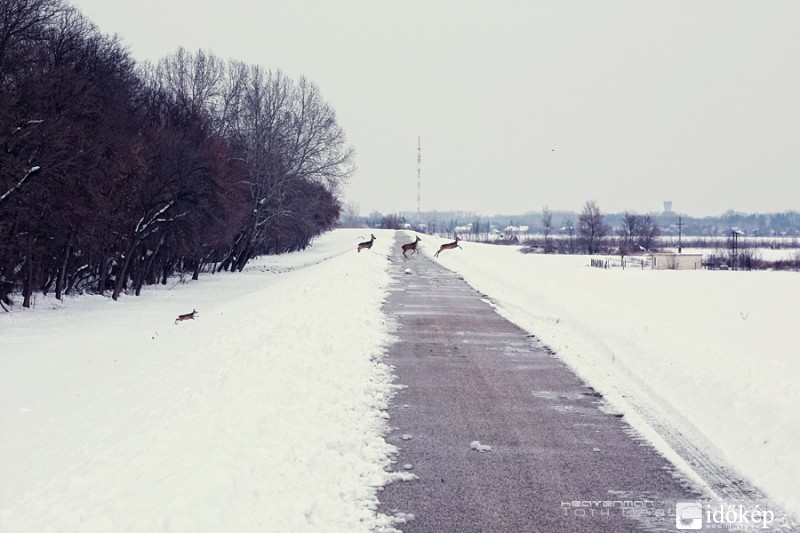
(636, 233)
(592, 235)
(115, 175)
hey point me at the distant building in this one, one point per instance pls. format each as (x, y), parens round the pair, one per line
(672, 261)
(515, 230)
(667, 207)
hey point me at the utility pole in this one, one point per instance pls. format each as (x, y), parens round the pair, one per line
(680, 228)
(419, 172)
(735, 232)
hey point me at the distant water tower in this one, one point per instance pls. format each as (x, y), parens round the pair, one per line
(668, 206)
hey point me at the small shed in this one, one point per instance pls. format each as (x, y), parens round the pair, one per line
(673, 261)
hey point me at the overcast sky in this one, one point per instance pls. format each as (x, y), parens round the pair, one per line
(521, 104)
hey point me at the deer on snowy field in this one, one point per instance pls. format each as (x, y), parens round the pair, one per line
(187, 316)
(448, 246)
(411, 246)
(366, 244)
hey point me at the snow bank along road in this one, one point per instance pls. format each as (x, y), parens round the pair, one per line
(501, 434)
(265, 414)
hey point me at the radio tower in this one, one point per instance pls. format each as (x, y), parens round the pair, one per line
(419, 163)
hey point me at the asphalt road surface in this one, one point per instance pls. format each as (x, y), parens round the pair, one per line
(560, 459)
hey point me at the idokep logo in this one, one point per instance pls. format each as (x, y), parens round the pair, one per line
(723, 515)
(689, 515)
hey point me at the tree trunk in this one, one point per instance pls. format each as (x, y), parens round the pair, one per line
(242, 260)
(164, 273)
(62, 274)
(27, 285)
(147, 269)
(122, 274)
(140, 272)
(101, 284)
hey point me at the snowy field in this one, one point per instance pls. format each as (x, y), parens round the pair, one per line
(715, 354)
(267, 412)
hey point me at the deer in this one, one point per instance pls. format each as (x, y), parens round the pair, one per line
(366, 244)
(186, 316)
(448, 246)
(411, 246)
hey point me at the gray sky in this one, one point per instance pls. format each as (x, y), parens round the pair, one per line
(521, 104)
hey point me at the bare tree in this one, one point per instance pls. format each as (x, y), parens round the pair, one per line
(592, 228)
(21, 27)
(392, 221)
(195, 81)
(318, 150)
(628, 233)
(351, 215)
(285, 133)
(648, 232)
(257, 126)
(568, 229)
(547, 229)
(475, 229)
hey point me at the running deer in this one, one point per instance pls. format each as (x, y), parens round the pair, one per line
(187, 316)
(366, 244)
(411, 246)
(448, 246)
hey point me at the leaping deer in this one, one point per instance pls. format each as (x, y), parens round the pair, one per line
(411, 246)
(448, 246)
(366, 244)
(187, 316)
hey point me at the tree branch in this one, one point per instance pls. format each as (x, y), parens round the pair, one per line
(16, 187)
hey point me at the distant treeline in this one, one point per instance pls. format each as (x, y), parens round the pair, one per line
(115, 175)
(753, 224)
